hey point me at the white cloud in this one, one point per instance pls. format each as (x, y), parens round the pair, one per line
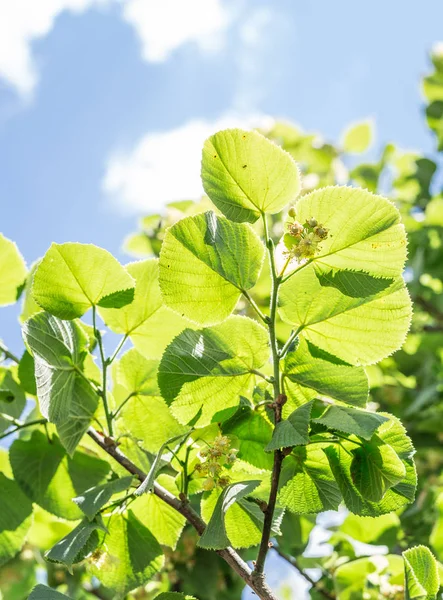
(164, 167)
(164, 25)
(161, 25)
(22, 22)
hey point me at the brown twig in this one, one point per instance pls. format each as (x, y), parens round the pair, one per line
(259, 586)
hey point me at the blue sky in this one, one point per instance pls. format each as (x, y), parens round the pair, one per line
(104, 103)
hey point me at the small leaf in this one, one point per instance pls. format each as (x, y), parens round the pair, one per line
(72, 277)
(245, 174)
(51, 478)
(312, 372)
(421, 574)
(68, 550)
(43, 592)
(215, 536)
(12, 272)
(12, 398)
(92, 500)
(208, 369)
(15, 518)
(206, 262)
(131, 556)
(26, 374)
(65, 398)
(358, 137)
(292, 431)
(351, 420)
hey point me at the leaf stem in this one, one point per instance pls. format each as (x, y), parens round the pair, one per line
(8, 353)
(262, 375)
(115, 413)
(105, 363)
(22, 426)
(289, 341)
(117, 350)
(255, 306)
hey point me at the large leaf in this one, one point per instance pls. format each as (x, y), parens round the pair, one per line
(92, 500)
(43, 592)
(131, 555)
(292, 431)
(12, 272)
(12, 398)
(65, 398)
(146, 314)
(15, 518)
(208, 369)
(351, 420)
(245, 174)
(307, 484)
(360, 323)
(206, 262)
(50, 477)
(145, 415)
(421, 574)
(71, 549)
(72, 277)
(354, 475)
(215, 535)
(310, 372)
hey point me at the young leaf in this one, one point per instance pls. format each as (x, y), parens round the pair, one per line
(312, 371)
(206, 262)
(15, 518)
(307, 485)
(43, 592)
(292, 431)
(68, 550)
(51, 478)
(92, 500)
(357, 329)
(358, 137)
(65, 398)
(208, 369)
(244, 174)
(12, 272)
(73, 277)
(421, 574)
(215, 536)
(145, 415)
(131, 556)
(351, 420)
(146, 314)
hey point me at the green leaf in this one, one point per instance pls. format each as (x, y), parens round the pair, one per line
(421, 574)
(12, 398)
(358, 330)
(65, 398)
(148, 484)
(312, 372)
(215, 536)
(253, 432)
(146, 314)
(92, 500)
(165, 523)
(145, 415)
(72, 277)
(51, 478)
(245, 174)
(351, 420)
(341, 459)
(436, 537)
(358, 137)
(26, 374)
(208, 369)
(206, 262)
(131, 556)
(15, 518)
(43, 592)
(381, 530)
(292, 431)
(363, 578)
(68, 550)
(307, 485)
(12, 272)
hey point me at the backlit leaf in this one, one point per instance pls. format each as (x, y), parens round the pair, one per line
(12, 272)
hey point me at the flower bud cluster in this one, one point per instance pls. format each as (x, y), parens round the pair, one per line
(214, 459)
(303, 241)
